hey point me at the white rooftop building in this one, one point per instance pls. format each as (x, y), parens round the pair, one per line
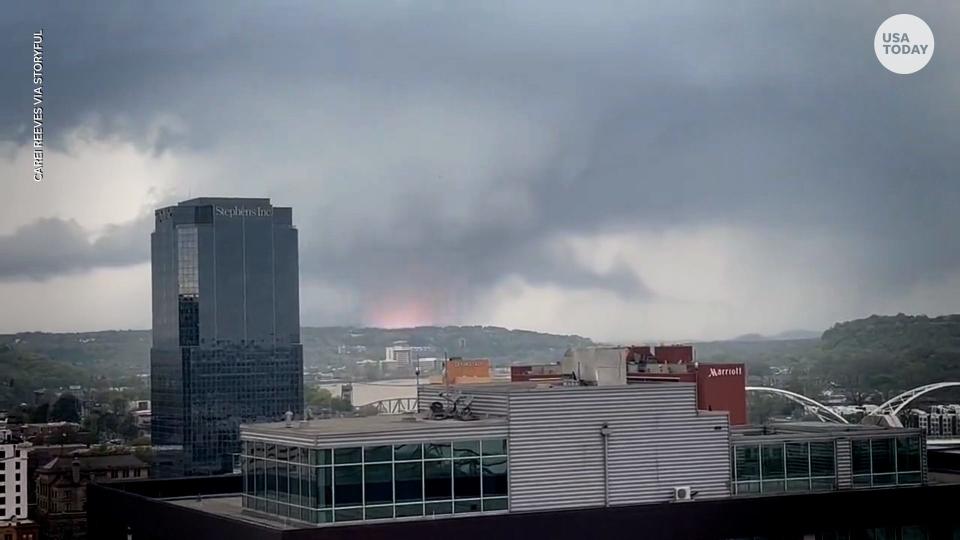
(13, 482)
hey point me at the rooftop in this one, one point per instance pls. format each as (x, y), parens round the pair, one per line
(94, 462)
(364, 425)
(499, 387)
(203, 201)
(231, 506)
(813, 429)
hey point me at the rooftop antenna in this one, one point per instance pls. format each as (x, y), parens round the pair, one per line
(443, 370)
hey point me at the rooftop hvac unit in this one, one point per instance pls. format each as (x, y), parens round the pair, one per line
(682, 493)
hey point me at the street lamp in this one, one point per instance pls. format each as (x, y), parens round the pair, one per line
(417, 372)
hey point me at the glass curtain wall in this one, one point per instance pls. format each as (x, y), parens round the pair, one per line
(375, 482)
(784, 467)
(886, 461)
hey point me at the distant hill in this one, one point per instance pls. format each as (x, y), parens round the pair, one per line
(892, 353)
(787, 335)
(127, 351)
(877, 354)
(499, 344)
(31, 360)
(898, 333)
(756, 353)
(873, 358)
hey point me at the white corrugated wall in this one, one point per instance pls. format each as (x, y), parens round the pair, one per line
(658, 441)
(484, 402)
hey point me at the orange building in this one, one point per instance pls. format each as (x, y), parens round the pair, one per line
(460, 371)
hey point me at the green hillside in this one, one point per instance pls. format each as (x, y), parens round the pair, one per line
(501, 345)
(33, 360)
(871, 358)
(890, 354)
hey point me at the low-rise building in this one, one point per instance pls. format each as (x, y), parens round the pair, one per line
(49, 432)
(941, 421)
(466, 371)
(142, 421)
(513, 447)
(13, 481)
(18, 529)
(400, 352)
(38, 456)
(14, 524)
(62, 489)
(535, 447)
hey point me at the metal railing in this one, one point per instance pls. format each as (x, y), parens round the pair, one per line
(393, 406)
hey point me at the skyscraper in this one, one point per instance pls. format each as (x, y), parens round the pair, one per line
(226, 328)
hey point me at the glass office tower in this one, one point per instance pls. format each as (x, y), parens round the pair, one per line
(226, 328)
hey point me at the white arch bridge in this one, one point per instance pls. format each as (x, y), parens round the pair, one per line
(885, 413)
(896, 404)
(823, 412)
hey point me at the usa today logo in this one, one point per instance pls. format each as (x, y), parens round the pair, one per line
(904, 44)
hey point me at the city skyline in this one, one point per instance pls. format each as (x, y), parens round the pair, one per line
(623, 172)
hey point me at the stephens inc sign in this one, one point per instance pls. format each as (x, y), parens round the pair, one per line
(238, 211)
(726, 372)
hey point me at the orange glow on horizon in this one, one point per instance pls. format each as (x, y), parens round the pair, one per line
(401, 314)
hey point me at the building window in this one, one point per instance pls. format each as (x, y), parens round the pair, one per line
(466, 479)
(409, 482)
(348, 483)
(860, 457)
(886, 461)
(823, 467)
(747, 468)
(347, 455)
(772, 468)
(376, 482)
(908, 460)
(495, 476)
(466, 449)
(797, 459)
(784, 466)
(494, 447)
(408, 452)
(437, 479)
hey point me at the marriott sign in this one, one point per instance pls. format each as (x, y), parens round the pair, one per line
(725, 372)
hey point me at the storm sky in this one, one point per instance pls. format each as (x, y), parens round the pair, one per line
(621, 170)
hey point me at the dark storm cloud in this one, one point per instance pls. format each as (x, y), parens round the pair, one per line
(753, 114)
(51, 247)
